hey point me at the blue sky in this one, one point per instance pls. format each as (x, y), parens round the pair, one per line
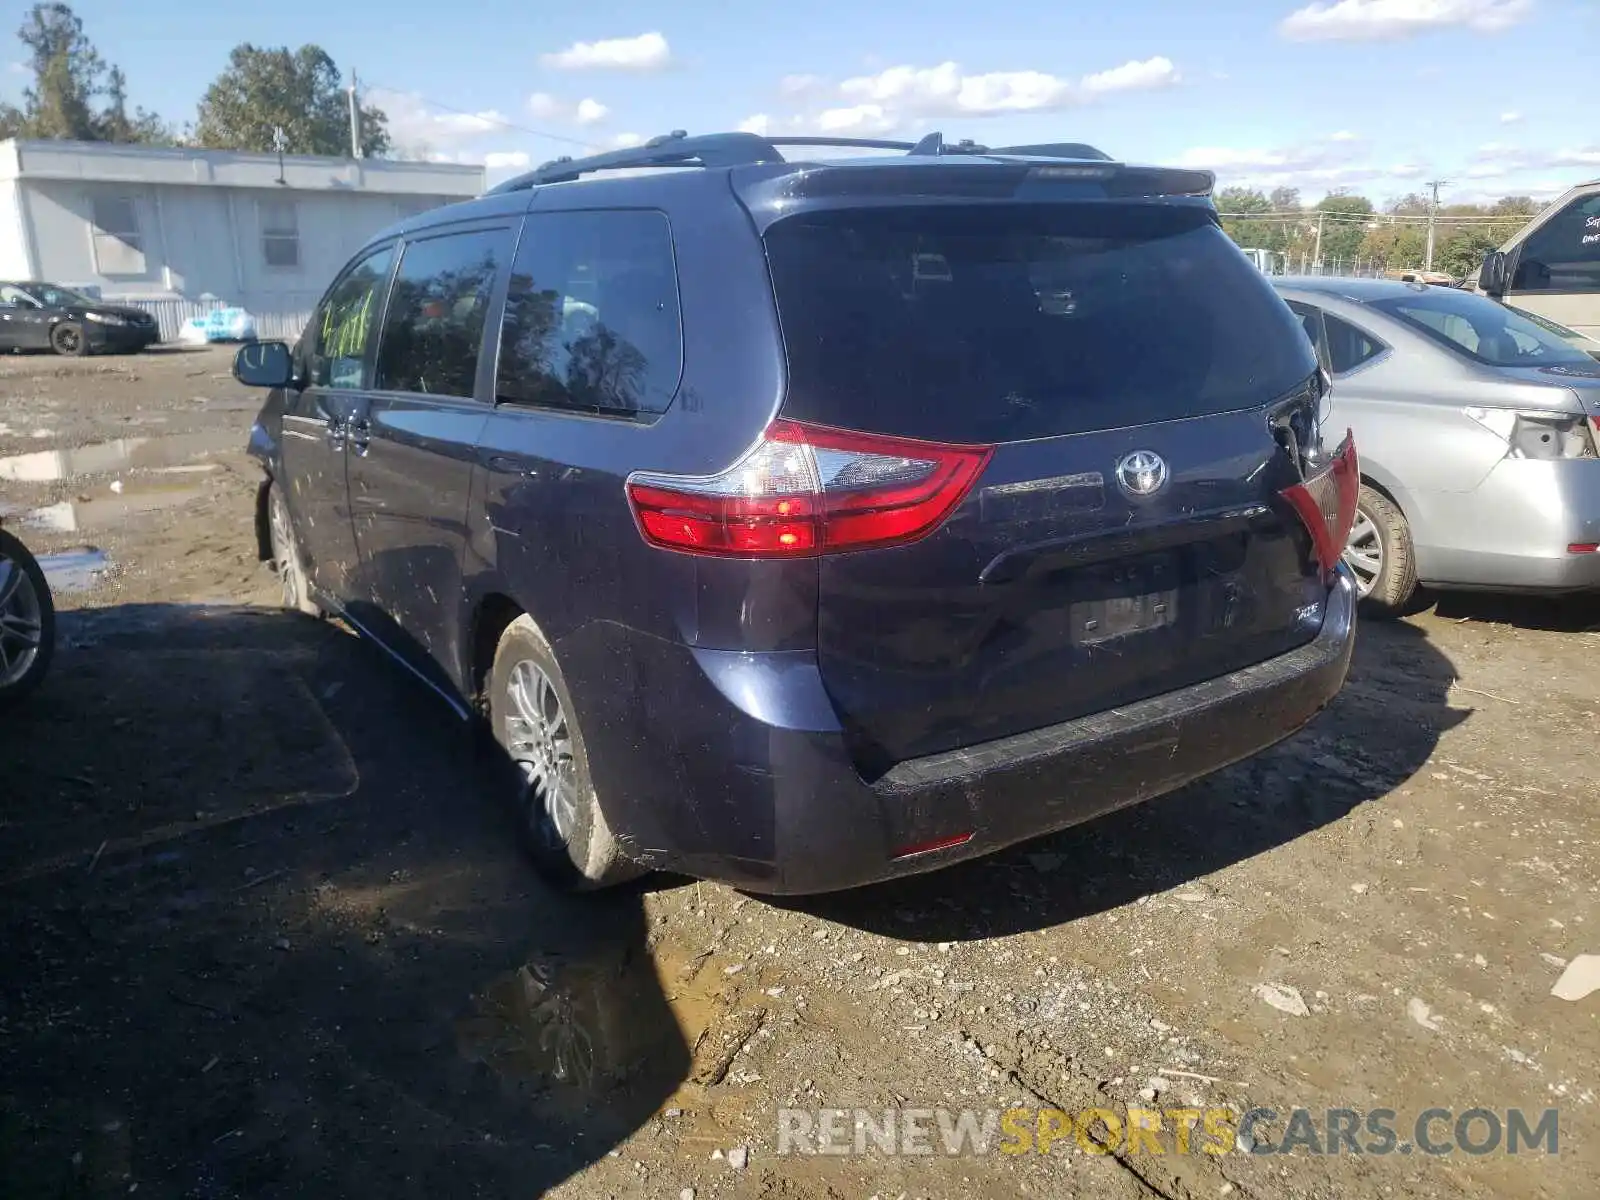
(1375, 95)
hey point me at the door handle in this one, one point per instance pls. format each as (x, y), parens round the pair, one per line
(358, 434)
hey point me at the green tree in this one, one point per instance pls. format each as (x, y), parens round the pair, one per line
(115, 125)
(299, 91)
(1514, 206)
(1345, 226)
(1394, 244)
(1245, 230)
(67, 75)
(70, 80)
(1462, 253)
(1285, 199)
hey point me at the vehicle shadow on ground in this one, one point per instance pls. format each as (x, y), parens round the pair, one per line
(1575, 613)
(1376, 735)
(267, 934)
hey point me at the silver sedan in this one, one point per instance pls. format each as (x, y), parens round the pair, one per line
(1477, 432)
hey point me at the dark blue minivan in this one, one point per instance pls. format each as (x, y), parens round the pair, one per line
(802, 522)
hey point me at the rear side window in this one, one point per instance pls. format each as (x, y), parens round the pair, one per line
(347, 321)
(1348, 347)
(592, 321)
(1482, 329)
(433, 328)
(1007, 322)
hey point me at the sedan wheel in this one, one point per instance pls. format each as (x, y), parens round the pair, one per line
(68, 339)
(1378, 553)
(1363, 554)
(27, 621)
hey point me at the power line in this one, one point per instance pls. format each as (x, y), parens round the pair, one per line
(486, 119)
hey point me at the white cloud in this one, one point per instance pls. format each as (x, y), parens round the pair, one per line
(647, 52)
(507, 160)
(16, 68)
(546, 107)
(1330, 163)
(760, 124)
(1344, 135)
(862, 119)
(1151, 73)
(415, 125)
(624, 141)
(1327, 164)
(1380, 20)
(1510, 118)
(801, 85)
(894, 96)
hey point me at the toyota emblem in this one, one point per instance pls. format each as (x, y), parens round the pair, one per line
(1142, 473)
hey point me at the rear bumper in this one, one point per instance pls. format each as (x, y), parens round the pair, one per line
(1513, 531)
(747, 784)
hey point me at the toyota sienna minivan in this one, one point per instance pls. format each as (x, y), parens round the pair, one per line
(801, 522)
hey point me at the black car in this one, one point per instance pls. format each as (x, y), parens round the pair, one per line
(43, 316)
(805, 522)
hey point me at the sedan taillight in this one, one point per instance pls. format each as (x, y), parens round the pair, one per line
(1539, 433)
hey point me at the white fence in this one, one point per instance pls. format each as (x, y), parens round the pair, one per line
(278, 320)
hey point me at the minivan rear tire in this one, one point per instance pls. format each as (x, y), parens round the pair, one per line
(1395, 586)
(533, 721)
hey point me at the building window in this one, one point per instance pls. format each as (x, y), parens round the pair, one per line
(280, 234)
(118, 244)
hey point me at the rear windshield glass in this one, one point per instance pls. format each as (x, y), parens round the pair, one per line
(993, 324)
(1483, 329)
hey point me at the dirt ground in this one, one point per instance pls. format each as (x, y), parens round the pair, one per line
(266, 934)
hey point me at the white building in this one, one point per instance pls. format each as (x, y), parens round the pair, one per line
(181, 232)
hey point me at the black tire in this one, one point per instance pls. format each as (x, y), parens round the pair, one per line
(19, 568)
(585, 856)
(286, 560)
(69, 340)
(1393, 587)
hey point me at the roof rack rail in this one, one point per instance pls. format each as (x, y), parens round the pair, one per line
(678, 149)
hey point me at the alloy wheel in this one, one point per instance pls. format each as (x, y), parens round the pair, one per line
(283, 550)
(21, 622)
(540, 743)
(1363, 553)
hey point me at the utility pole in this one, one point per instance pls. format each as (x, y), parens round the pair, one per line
(1433, 209)
(1316, 257)
(355, 119)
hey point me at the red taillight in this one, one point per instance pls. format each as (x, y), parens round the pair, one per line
(1326, 502)
(804, 490)
(1584, 548)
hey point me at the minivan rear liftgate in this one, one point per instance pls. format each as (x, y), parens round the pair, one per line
(1041, 452)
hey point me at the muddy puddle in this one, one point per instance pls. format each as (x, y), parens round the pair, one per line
(74, 570)
(178, 453)
(617, 1032)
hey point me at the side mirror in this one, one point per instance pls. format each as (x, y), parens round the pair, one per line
(264, 365)
(1492, 275)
